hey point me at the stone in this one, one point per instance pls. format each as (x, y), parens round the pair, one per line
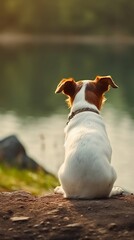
(13, 153)
(20, 218)
(73, 225)
(112, 226)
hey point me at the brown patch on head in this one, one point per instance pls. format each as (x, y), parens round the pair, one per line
(70, 98)
(92, 95)
(69, 87)
(95, 90)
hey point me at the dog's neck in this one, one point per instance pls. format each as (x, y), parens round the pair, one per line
(73, 114)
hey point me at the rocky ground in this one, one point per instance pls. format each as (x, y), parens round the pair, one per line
(26, 217)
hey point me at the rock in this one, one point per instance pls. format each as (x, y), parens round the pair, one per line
(36, 225)
(54, 211)
(74, 225)
(21, 218)
(66, 218)
(112, 226)
(13, 153)
(10, 229)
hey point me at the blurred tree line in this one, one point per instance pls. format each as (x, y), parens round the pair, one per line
(67, 16)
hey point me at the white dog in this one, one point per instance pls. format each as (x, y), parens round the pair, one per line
(86, 171)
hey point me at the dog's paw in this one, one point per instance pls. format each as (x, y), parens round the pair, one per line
(59, 190)
(116, 191)
(119, 191)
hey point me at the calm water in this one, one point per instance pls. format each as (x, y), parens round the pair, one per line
(30, 109)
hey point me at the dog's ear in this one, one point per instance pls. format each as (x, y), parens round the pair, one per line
(104, 83)
(67, 86)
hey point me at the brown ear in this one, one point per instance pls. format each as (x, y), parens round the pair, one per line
(104, 83)
(66, 86)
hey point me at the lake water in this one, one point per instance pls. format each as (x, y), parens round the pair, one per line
(30, 109)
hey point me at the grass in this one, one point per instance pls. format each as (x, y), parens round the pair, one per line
(37, 183)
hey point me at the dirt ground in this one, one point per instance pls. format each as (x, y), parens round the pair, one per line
(26, 217)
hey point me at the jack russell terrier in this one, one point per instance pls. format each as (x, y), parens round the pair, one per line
(86, 172)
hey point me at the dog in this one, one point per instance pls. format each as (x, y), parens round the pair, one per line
(86, 172)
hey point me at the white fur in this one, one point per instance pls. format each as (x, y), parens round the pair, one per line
(86, 171)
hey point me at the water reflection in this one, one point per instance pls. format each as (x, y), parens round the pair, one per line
(29, 75)
(29, 108)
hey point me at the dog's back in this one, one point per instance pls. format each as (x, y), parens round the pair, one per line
(86, 171)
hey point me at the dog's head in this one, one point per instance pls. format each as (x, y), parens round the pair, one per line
(94, 89)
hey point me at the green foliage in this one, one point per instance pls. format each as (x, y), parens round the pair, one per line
(87, 16)
(35, 182)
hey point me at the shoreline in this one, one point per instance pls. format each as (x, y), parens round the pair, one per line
(11, 39)
(51, 217)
